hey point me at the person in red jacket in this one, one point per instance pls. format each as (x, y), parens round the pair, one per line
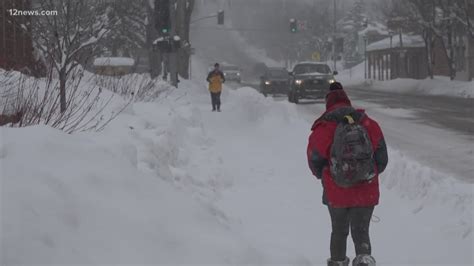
(350, 207)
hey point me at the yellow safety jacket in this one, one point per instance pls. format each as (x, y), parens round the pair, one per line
(215, 79)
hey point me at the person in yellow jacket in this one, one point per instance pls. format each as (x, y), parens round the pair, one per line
(215, 79)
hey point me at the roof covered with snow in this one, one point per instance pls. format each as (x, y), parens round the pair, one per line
(114, 61)
(407, 40)
(374, 27)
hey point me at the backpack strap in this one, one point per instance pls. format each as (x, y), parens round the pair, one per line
(349, 119)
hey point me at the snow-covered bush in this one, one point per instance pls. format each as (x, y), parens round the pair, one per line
(89, 107)
(141, 86)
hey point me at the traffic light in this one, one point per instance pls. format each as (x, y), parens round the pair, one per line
(293, 25)
(220, 17)
(163, 23)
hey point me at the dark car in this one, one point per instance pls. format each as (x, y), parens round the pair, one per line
(231, 73)
(309, 80)
(274, 81)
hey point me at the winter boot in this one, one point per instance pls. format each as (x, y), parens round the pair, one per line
(339, 263)
(363, 260)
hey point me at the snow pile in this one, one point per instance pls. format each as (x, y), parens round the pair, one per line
(110, 198)
(428, 188)
(437, 86)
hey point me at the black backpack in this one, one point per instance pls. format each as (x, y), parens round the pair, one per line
(351, 160)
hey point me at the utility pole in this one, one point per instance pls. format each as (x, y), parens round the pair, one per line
(173, 56)
(288, 41)
(334, 38)
(182, 52)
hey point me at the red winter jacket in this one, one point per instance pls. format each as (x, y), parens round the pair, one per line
(361, 195)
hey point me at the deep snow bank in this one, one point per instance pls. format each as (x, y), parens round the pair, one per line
(437, 86)
(115, 197)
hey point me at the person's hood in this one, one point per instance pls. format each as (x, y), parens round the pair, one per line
(335, 99)
(337, 103)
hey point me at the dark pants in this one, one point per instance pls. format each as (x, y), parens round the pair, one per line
(216, 100)
(358, 220)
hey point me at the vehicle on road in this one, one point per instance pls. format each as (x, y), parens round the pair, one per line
(274, 81)
(309, 80)
(231, 73)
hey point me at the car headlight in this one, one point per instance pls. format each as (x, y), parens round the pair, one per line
(298, 82)
(331, 81)
(267, 82)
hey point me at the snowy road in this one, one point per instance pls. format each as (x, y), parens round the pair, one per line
(435, 130)
(452, 113)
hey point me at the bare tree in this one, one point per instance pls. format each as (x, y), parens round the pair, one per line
(129, 32)
(71, 36)
(438, 21)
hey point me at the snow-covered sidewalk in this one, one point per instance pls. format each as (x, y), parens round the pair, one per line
(171, 183)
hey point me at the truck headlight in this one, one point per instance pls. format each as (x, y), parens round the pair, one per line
(331, 81)
(267, 83)
(298, 82)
